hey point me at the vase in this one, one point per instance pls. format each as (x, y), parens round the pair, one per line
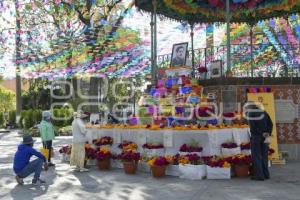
(241, 170)
(104, 164)
(158, 171)
(130, 167)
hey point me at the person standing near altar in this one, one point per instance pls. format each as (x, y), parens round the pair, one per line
(47, 134)
(261, 127)
(79, 138)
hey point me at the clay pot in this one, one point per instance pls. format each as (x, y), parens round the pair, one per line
(158, 171)
(104, 164)
(130, 167)
(241, 170)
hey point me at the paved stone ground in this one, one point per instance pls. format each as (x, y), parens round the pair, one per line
(63, 183)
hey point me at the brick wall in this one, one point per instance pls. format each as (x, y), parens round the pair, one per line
(288, 133)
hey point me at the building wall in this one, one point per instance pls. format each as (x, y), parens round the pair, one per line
(11, 85)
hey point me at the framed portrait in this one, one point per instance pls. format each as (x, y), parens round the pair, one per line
(216, 69)
(179, 53)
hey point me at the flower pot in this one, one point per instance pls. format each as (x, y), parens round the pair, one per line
(172, 170)
(218, 173)
(241, 170)
(130, 167)
(192, 172)
(158, 171)
(104, 164)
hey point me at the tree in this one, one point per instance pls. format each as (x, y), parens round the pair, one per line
(8, 101)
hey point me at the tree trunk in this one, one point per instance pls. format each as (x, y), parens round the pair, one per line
(18, 77)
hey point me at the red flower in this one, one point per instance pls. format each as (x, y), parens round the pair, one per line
(271, 151)
(90, 153)
(241, 160)
(228, 115)
(216, 163)
(202, 70)
(206, 159)
(245, 146)
(204, 111)
(161, 161)
(230, 145)
(194, 159)
(186, 148)
(100, 155)
(129, 156)
(153, 146)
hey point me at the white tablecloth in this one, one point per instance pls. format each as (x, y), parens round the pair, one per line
(210, 140)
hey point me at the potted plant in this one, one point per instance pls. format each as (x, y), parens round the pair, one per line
(230, 149)
(203, 114)
(128, 146)
(103, 156)
(241, 165)
(218, 168)
(192, 148)
(154, 149)
(158, 166)
(192, 167)
(130, 161)
(106, 140)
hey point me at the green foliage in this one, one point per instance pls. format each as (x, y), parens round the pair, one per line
(37, 116)
(34, 132)
(121, 91)
(12, 117)
(75, 102)
(29, 120)
(8, 100)
(65, 131)
(1, 119)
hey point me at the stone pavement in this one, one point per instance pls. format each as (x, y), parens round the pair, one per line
(63, 183)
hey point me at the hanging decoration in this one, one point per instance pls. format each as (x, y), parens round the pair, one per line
(249, 11)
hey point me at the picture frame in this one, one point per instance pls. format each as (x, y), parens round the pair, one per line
(179, 54)
(216, 69)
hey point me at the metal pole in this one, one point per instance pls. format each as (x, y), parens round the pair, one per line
(152, 46)
(228, 35)
(193, 52)
(205, 59)
(18, 70)
(251, 46)
(154, 3)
